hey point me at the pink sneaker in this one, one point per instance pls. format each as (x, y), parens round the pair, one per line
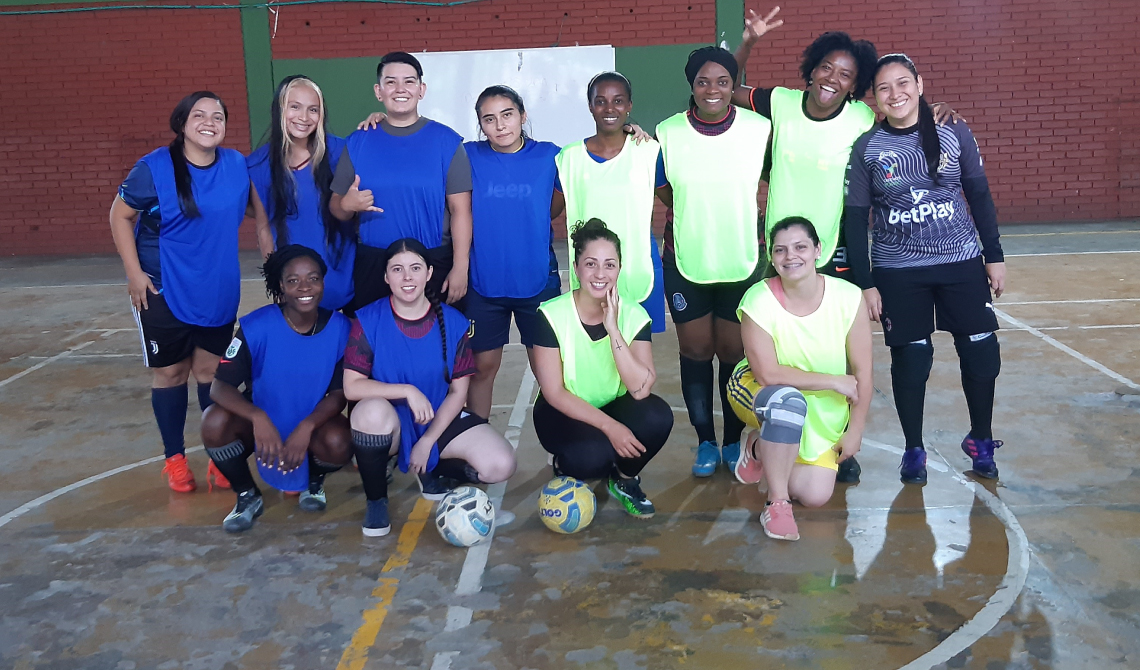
(778, 522)
(748, 469)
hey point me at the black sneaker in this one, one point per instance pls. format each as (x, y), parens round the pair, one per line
(848, 472)
(628, 492)
(433, 487)
(248, 508)
(376, 522)
(313, 501)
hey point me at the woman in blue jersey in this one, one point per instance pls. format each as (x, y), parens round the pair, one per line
(175, 225)
(288, 355)
(293, 175)
(925, 191)
(513, 267)
(409, 364)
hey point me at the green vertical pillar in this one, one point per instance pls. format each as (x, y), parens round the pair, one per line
(258, 67)
(729, 22)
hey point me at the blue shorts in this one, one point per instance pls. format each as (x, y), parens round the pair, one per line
(655, 303)
(491, 317)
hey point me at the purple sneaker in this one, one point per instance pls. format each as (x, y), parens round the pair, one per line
(981, 452)
(913, 467)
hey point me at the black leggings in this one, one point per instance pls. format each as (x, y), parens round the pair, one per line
(583, 451)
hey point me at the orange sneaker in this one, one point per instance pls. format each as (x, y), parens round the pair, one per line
(214, 477)
(178, 475)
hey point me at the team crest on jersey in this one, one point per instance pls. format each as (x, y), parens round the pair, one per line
(889, 161)
(943, 161)
(679, 302)
(234, 348)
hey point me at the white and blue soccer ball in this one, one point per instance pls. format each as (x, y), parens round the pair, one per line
(465, 516)
(566, 505)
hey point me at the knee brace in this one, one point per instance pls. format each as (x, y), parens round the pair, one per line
(979, 355)
(911, 363)
(782, 411)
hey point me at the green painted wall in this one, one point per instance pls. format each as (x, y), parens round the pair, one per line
(347, 85)
(658, 77)
(729, 22)
(259, 79)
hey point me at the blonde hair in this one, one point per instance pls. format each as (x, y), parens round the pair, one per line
(317, 142)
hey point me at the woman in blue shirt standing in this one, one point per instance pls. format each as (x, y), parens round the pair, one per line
(293, 175)
(175, 224)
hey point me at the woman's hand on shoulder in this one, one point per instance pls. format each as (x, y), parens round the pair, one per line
(372, 122)
(420, 405)
(942, 113)
(638, 133)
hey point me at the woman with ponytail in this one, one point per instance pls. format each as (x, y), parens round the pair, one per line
(408, 364)
(175, 224)
(926, 193)
(293, 174)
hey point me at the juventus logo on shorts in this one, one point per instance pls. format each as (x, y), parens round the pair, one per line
(153, 347)
(679, 302)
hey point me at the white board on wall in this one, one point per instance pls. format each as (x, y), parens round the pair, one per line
(552, 83)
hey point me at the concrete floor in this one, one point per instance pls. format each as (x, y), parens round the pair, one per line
(102, 567)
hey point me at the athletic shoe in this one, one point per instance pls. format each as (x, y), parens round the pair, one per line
(778, 521)
(981, 452)
(376, 522)
(178, 475)
(433, 487)
(248, 508)
(628, 492)
(214, 477)
(313, 502)
(912, 470)
(748, 468)
(730, 454)
(848, 472)
(708, 457)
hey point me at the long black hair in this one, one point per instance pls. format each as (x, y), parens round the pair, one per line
(178, 119)
(862, 51)
(274, 268)
(927, 129)
(500, 91)
(283, 185)
(416, 247)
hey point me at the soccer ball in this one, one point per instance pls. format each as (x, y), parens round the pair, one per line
(465, 516)
(566, 505)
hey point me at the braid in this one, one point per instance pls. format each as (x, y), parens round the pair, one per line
(437, 307)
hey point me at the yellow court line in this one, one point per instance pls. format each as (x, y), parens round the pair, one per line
(1071, 232)
(356, 654)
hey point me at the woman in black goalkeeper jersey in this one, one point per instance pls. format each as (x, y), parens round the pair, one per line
(926, 193)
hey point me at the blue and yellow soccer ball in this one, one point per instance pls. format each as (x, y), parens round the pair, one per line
(566, 505)
(465, 516)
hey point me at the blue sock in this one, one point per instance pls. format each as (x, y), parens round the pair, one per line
(170, 412)
(204, 396)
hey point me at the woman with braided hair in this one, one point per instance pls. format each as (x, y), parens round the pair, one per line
(288, 355)
(409, 364)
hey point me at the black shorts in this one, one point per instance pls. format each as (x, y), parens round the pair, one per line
(371, 265)
(166, 340)
(461, 424)
(955, 296)
(491, 317)
(689, 301)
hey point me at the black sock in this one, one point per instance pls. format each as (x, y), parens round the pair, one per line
(204, 396)
(372, 460)
(317, 471)
(169, 406)
(457, 469)
(697, 389)
(233, 461)
(910, 368)
(980, 362)
(733, 426)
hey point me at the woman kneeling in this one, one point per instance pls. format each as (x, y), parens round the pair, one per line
(806, 384)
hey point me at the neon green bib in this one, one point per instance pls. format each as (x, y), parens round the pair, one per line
(619, 192)
(813, 343)
(714, 182)
(809, 164)
(588, 368)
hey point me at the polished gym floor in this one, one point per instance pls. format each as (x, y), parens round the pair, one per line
(102, 567)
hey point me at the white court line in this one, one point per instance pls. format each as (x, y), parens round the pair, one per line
(1069, 350)
(37, 366)
(1067, 302)
(1074, 253)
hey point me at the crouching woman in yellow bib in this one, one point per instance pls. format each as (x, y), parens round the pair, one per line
(594, 363)
(805, 385)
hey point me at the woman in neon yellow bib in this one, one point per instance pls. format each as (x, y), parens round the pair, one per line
(594, 364)
(806, 385)
(713, 155)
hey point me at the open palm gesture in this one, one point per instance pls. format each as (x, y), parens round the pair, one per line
(755, 27)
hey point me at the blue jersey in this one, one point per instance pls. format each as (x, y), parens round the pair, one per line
(306, 225)
(512, 246)
(399, 359)
(407, 175)
(291, 374)
(201, 279)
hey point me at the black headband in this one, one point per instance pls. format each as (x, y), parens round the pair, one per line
(698, 58)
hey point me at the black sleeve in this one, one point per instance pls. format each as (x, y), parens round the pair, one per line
(544, 334)
(645, 334)
(855, 224)
(761, 102)
(337, 381)
(236, 367)
(976, 188)
(345, 174)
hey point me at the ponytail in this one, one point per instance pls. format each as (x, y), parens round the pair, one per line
(928, 136)
(437, 307)
(178, 119)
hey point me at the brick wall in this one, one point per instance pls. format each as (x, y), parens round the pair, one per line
(85, 96)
